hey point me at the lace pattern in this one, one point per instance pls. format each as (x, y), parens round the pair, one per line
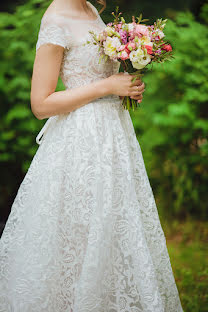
(84, 233)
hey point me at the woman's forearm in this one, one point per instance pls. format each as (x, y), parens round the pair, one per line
(62, 102)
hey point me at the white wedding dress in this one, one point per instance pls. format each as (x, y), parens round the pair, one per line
(84, 234)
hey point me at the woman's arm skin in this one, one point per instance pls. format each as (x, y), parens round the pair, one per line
(45, 102)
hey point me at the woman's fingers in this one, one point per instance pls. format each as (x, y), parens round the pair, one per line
(141, 87)
(137, 82)
(136, 90)
(139, 97)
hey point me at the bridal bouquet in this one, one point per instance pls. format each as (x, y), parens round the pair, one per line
(135, 45)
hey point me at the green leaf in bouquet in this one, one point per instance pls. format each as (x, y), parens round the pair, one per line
(128, 102)
(117, 35)
(116, 15)
(139, 19)
(136, 39)
(133, 105)
(145, 20)
(123, 20)
(134, 79)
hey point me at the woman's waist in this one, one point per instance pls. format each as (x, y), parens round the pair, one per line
(111, 98)
(106, 104)
(103, 107)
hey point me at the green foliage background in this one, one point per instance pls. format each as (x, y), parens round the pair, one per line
(171, 126)
(172, 123)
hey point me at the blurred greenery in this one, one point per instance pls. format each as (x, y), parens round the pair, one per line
(171, 126)
(187, 247)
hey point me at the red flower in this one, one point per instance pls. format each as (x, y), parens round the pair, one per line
(149, 49)
(167, 48)
(126, 48)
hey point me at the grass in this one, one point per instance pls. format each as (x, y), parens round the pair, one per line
(188, 252)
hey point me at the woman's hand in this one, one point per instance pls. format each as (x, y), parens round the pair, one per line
(121, 84)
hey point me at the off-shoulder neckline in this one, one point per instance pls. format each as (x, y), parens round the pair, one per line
(77, 19)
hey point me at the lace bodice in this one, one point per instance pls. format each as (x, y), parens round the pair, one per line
(80, 63)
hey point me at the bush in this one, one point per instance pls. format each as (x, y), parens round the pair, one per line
(18, 127)
(173, 124)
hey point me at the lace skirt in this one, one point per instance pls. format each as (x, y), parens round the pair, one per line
(84, 234)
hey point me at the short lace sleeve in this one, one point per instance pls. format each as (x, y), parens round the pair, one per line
(52, 30)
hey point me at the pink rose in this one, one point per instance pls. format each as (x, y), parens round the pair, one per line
(124, 55)
(142, 29)
(121, 48)
(131, 46)
(132, 34)
(119, 25)
(167, 48)
(149, 49)
(157, 38)
(123, 35)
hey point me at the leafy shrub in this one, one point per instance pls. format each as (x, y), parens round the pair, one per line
(172, 124)
(18, 127)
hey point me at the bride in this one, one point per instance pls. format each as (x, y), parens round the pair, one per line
(84, 233)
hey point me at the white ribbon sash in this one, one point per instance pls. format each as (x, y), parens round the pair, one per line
(43, 130)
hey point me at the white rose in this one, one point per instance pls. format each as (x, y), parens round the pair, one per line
(134, 55)
(139, 59)
(111, 46)
(101, 37)
(109, 31)
(147, 41)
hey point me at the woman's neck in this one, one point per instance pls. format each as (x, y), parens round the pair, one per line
(73, 5)
(73, 8)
